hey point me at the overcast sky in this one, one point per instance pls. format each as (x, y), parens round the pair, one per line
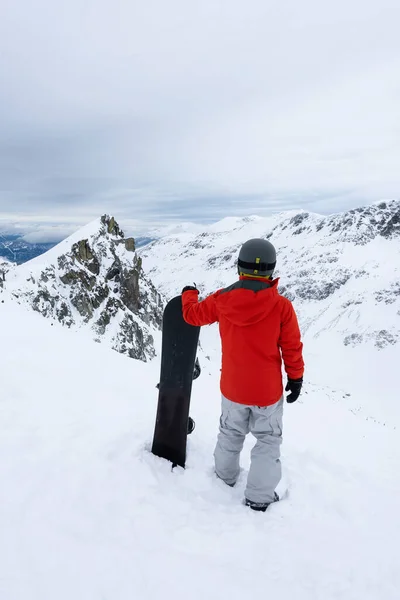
(158, 110)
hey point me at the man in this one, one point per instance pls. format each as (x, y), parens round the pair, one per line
(258, 330)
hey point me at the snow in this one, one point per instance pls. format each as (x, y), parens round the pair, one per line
(313, 254)
(87, 512)
(174, 229)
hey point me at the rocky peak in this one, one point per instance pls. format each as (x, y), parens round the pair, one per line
(95, 279)
(358, 226)
(112, 226)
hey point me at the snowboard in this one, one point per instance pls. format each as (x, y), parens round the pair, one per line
(178, 356)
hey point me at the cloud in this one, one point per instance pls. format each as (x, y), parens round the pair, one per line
(180, 110)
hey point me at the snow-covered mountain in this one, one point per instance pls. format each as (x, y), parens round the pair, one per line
(175, 229)
(341, 271)
(93, 279)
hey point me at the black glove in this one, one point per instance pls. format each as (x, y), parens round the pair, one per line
(190, 287)
(294, 386)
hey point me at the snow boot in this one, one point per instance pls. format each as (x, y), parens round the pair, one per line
(226, 483)
(261, 506)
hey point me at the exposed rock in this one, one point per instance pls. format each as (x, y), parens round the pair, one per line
(44, 302)
(112, 226)
(109, 312)
(63, 314)
(389, 295)
(72, 277)
(130, 289)
(82, 251)
(312, 288)
(83, 254)
(384, 338)
(130, 244)
(129, 329)
(381, 339)
(353, 339)
(83, 305)
(5, 266)
(114, 271)
(364, 224)
(99, 282)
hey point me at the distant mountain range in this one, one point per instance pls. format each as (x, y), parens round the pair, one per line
(14, 248)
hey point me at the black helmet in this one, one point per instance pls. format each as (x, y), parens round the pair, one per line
(257, 257)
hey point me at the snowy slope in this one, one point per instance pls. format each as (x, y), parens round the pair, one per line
(174, 229)
(94, 280)
(342, 273)
(86, 512)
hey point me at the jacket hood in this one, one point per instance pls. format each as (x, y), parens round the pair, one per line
(243, 306)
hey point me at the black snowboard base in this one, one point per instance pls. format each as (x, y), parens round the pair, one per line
(179, 346)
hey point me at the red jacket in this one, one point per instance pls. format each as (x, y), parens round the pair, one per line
(258, 329)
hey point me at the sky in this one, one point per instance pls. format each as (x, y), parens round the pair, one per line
(192, 111)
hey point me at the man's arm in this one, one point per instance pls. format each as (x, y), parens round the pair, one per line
(290, 343)
(199, 313)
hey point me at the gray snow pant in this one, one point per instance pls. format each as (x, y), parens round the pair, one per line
(265, 423)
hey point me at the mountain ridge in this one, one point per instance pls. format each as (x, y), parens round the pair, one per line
(341, 271)
(94, 279)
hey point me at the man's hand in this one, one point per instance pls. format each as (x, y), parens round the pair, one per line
(188, 288)
(294, 386)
